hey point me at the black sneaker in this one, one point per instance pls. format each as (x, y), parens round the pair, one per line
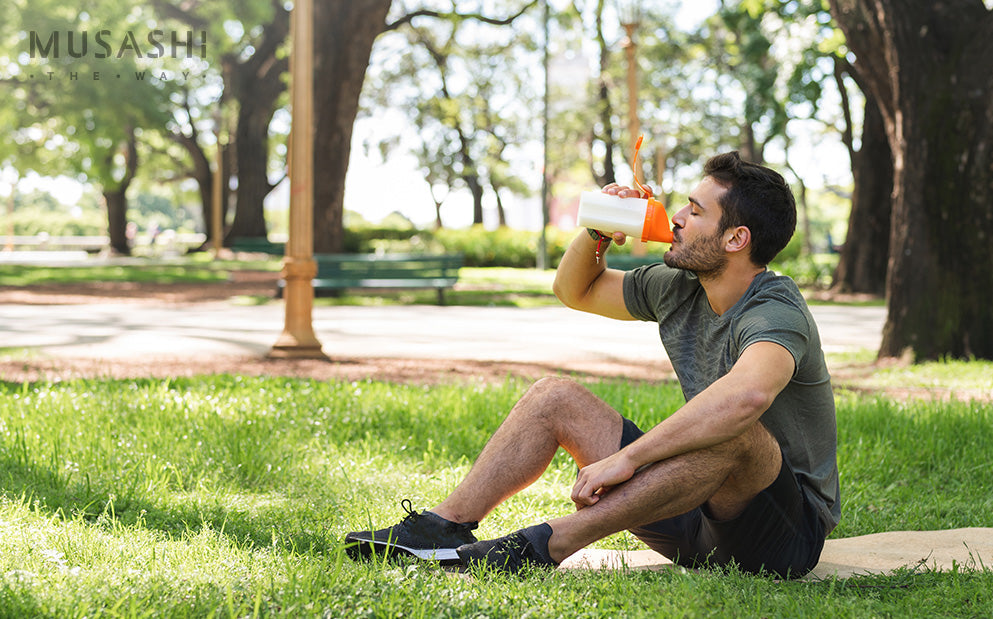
(424, 535)
(511, 553)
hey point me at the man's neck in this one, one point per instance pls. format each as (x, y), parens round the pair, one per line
(724, 290)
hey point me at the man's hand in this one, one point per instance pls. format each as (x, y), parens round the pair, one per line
(598, 478)
(623, 191)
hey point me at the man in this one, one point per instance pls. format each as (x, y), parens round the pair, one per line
(745, 472)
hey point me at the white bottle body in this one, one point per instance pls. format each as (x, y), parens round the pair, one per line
(608, 213)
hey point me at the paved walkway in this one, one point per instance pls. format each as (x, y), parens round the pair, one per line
(546, 334)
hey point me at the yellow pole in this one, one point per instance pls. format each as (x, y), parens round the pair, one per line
(217, 197)
(634, 127)
(299, 269)
(630, 48)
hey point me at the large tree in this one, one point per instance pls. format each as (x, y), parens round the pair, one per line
(347, 32)
(864, 256)
(88, 108)
(247, 41)
(927, 64)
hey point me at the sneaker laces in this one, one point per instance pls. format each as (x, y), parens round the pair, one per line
(412, 516)
(408, 507)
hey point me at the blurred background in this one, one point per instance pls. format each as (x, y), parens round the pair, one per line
(446, 127)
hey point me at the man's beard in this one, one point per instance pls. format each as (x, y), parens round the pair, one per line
(702, 255)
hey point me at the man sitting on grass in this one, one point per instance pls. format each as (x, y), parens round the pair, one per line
(745, 472)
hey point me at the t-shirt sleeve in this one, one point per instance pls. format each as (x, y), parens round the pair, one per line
(651, 291)
(778, 322)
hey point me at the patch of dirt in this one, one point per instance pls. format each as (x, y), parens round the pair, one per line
(416, 371)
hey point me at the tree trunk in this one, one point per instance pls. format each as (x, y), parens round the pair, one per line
(475, 186)
(501, 211)
(203, 176)
(115, 197)
(257, 83)
(252, 157)
(864, 256)
(605, 113)
(348, 30)
(928, 66)
(117, 220)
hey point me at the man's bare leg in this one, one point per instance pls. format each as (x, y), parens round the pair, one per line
(725, 477)
(554, 412)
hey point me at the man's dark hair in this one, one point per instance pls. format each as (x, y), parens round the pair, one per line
(757, 198)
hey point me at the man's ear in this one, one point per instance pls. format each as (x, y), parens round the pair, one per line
(737, 239)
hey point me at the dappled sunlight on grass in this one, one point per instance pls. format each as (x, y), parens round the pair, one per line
(229, 495)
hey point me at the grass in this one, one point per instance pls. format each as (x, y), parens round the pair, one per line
(227, 496)
(197, 268)
(949, 378)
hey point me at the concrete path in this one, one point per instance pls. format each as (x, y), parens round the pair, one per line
(545, 334)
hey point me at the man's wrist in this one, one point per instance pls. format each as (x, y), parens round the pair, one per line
(602, 242)
(596, 235)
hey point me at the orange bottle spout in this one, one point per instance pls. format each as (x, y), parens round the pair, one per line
(656, 226)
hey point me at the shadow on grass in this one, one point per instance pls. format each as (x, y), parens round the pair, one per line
(74, 496)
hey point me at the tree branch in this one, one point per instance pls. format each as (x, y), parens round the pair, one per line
(839, 79)
(180, 13)
(406, 19)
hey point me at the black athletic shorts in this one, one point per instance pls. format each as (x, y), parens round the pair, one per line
(779, 531)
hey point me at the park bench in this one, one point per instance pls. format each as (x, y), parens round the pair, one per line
(336, 272)
(257, 245)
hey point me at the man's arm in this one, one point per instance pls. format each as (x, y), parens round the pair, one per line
(583, 283)
(721, 412)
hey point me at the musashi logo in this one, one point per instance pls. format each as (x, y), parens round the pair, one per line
(157, 44)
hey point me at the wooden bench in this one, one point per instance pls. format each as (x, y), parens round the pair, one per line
(258, 245)
(337, 272)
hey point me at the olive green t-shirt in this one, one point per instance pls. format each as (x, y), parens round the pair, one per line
(703, 346)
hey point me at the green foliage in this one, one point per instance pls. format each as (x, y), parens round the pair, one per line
(31, 275)
(813, 271)
(503, 247)
(46, 216)
(39, 212)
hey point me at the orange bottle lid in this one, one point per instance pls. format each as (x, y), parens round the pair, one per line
(656, 227)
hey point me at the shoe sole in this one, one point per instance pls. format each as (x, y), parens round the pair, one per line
(364, 548)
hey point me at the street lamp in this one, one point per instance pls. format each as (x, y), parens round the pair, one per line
(629, 13)
(298, 340)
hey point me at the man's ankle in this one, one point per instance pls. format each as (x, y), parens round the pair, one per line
(447, 514)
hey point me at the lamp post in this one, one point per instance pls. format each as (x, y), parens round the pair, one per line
(542, 260)
(629, 12)
(298, 340)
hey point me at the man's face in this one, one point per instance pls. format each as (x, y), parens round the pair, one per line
(698, 245)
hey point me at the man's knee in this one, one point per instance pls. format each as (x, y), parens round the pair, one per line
(583, 424)
(556, 385)
(553, 394)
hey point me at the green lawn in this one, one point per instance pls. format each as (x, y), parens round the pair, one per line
(198, 268)
(227, 496)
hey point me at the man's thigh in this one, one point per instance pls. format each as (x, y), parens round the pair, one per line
(778, 530)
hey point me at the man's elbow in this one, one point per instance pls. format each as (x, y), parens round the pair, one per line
(567, 295)
(752, 402)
